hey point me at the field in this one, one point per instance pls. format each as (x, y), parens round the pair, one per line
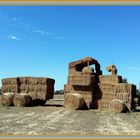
(54, 120)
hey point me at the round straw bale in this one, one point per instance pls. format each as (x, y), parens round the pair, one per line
(109, 68)
(88, 71)
(74, 101)
(7, 99)
(22, 100)
(117, 106)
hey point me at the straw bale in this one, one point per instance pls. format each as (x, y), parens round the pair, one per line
(83, 80)
(32, 88)
(14, 88)
(87, 71)
(109, 68)
(41, 95)
(32, 80)
(33, 95)
(74, 101)
(23, 88)
(45, 81)
(11, 81)
(22, 100)
(127, 88)
(23, 80)
(41, 88)
(7, 99)
(110, 79)
(9, 88)
(42, 81)
(117, 106)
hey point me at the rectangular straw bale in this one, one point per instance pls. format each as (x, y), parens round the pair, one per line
(11, 81)
(41, 88)
(32, 88)
(110, 79)
(33, 95)
(5, 88)
(23, 80)
(32, 80)
(126, 97)
(8, 88)
(46, 81)
(41, 96)
(107, 87)
(42, 80)
(23, 88)
(14, 88)
(84, 80)
(127, 88)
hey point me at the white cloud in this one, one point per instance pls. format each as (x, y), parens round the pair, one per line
(17, 28)
(14, 37)
(41, 32)
(133, 68)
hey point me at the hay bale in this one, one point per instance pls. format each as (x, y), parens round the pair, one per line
(83, 80)
(34, 98)
(9, 88)
(117, 106)
(33, 95)
(23, 80)
(109, 68)
(87, 71)
(74, 101)
(110, 79)
(11, 81)
(7, 99)
(41, 96)
(42, 81)
(22, 100)
(45, 81)
(32, 80)
(32, 88)
(41, 88)
(23, 88)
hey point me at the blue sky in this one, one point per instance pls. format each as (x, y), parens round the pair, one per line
(42, 40)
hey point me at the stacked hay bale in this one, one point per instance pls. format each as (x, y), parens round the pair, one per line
(82, 77)
(82, 85)
(10, 85)
(38, 88)
(31, 85)
(104, 92)
(114, 95)
(22, 84)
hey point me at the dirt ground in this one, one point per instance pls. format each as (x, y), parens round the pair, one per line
(54, 120)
